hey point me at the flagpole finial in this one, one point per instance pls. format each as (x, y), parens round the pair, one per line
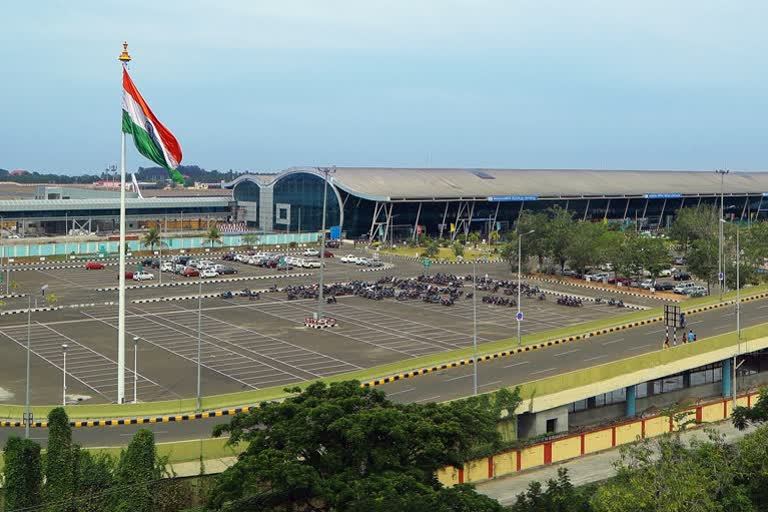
(124, 57)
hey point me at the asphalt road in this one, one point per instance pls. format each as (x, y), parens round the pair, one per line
(455, 383)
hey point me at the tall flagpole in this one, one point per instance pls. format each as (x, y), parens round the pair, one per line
(124, 60)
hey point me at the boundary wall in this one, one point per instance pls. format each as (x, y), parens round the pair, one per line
(585, 443)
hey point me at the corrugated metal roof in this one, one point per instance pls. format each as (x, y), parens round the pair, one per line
(104, 203)
(415, 183)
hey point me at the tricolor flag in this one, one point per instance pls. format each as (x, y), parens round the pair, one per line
(152, 139)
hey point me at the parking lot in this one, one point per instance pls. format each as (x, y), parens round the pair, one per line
(245, 344)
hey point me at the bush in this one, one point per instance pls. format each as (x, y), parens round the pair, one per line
(293, 245)
(431, 250)
(458, 249)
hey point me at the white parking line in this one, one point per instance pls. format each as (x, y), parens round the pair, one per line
(543, 371)
(426, 399)
(568, 352)
(516, 364)
(639, 347)
(457, 378)
(596, 357)
(613, 341)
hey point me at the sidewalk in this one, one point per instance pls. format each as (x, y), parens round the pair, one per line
(583, 470)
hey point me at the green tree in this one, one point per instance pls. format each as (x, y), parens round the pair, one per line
(493, 237)
(583, 250)
(93, 480)
(558, 235)
(702, 260)
(251, 239)
(537, 243)
(458, 249)
(753, 463)
(744, 417)
(23, 474)
(560, 496)
(136, 471)
(654, 255)
(213, 236)
(331, 447)
(474, 238)
(431, 250)
(692, 224)
(152, 238)
(60, 472)
(663, 475)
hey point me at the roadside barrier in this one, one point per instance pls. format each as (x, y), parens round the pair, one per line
(56, 308)
(606, 290)
(590, 299)
(323, 323)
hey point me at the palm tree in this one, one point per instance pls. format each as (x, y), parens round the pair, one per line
(493, 238)
(251, 239)
(213, 236)
(152, 238)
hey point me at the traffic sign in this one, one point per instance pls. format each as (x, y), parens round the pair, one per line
(720, 276)
(519, 316)
(426, 262)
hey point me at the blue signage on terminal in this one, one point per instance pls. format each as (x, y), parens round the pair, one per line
(663, 196)
(507, 199)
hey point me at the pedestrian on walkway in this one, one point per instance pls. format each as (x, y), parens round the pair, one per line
(691, 336)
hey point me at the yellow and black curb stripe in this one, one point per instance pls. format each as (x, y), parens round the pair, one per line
(548, 343)
(137, 421)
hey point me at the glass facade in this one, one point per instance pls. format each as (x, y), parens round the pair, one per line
(298, 203)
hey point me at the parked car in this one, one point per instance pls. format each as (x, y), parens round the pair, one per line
(167, 267)
(311, 252)
(146, 262)
(696, 291)
(208, 273)
(228, 257)
(284, 266)
(647, 284)
(375, 263)
(349, 258)
(242, 258)
(224, 269)
(333, 244)
(625, 281)
(311, 264)
(128, 275)
(683, 287)
(572, 273)
(143, 276)
(362, 262)
(327, 254)
(190, 272)
(93, 265)
(679, 260)
(597, 276)
(681, 276)
(665, 285)
(667, 272)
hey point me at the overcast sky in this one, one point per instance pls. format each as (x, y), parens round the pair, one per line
(265, 85)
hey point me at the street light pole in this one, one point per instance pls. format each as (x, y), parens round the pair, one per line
(29, 339)
(474, 324)
(519, 281)
(64, 393)
(199, 336)
(326, 172)
(135, 369)
(720, 265)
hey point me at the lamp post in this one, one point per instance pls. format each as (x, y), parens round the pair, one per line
(738, 311)
(519, 281)
(27, 419)
(135, 369)
(327, 171)
(474, 324)
(720, 265)
(64, 392)
(199, 336)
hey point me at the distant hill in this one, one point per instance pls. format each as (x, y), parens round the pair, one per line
(194, 172)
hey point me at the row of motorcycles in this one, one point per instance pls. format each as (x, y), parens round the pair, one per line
(611, 302)
(574, 302)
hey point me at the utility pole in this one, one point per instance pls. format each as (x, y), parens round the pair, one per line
(474, 324)
(27, 415)
(720, 263)
(326, 171)
(199, 336)
(519, 282)
(64, 389)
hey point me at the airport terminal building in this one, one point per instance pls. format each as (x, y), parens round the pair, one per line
(396, 203)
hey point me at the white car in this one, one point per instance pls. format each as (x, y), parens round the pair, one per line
(647, 284)
(311, 252)
(242, 258)
(311, 264)
(143, 276)
(208, 272)
(682, 288)
(168, 267)
(349, 258)
(667, 272)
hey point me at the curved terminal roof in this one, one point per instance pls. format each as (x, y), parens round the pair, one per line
(397, 184)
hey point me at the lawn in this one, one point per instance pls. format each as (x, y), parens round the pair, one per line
(446, 253)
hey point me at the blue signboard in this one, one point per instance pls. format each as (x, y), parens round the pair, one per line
(663, 196)
(335, 232)
(507, 199)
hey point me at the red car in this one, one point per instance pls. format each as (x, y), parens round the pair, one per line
(92, 265)
(620, 279)
(190, 272)
(327, 254)
(128, 276)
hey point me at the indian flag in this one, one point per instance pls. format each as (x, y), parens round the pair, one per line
(152, 139)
